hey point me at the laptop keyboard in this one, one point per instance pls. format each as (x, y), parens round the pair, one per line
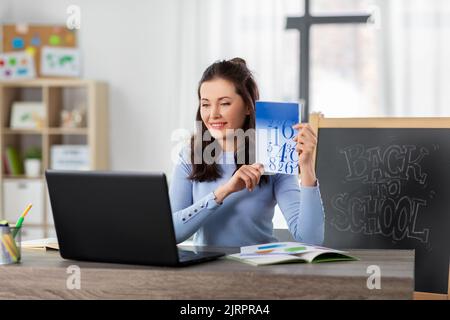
(186, 254)
(191, 256)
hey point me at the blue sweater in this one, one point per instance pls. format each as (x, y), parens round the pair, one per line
(244, 217)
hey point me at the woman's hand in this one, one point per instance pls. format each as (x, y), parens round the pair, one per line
(247, 176)
(306, 145)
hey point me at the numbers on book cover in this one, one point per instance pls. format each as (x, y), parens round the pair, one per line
(281, 148)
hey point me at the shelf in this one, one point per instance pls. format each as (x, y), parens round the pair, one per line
(22, 131)
(47, 82)
(20, 177)
(56, 94)
(67, 131)
(81, 131)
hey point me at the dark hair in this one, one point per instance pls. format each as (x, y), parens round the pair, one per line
(237, 72)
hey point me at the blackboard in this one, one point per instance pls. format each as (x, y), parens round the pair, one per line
(389, 188)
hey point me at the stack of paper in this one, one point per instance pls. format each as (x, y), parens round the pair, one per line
(41, 244)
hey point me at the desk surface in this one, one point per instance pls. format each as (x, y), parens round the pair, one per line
(43, 275)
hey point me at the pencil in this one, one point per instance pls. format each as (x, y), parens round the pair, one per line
(20, 220)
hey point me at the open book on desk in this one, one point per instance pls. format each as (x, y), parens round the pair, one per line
(41, 244)
(288, 252)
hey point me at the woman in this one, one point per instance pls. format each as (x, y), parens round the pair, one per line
(230, 203)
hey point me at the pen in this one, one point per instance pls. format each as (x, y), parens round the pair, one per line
(20, 221)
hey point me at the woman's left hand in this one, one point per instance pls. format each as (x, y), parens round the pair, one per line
(306, 145)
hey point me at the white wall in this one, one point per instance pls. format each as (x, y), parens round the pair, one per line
(132, 46)
(5, 10)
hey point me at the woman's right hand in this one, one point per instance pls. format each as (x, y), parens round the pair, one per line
(247, 176)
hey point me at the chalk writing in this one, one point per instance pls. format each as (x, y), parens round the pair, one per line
(380, 206)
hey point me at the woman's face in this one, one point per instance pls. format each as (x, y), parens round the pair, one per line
(221, 108)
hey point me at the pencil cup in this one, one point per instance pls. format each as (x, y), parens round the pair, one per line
(10, 238)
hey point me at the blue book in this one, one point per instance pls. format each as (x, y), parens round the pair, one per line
(275, 148)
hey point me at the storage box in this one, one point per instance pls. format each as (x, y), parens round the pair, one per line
(70, 157)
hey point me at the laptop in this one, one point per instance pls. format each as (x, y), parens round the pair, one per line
(117, 217)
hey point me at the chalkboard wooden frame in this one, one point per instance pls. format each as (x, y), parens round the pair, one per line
(318, 121)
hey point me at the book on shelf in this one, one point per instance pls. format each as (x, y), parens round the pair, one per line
(13, 162)
(6, 169)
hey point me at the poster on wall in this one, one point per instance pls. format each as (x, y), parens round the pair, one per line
(62, 62)
(16, 66)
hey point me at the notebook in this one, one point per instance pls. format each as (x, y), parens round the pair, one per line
(288, 252)
(41, 244)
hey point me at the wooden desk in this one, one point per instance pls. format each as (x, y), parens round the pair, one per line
(43, 275)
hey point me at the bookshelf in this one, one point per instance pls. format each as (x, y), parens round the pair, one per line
(56, 95)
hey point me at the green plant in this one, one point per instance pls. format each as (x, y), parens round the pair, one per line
(33, 153)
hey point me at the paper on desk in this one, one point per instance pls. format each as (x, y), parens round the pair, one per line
(262, 260)
(41, 244)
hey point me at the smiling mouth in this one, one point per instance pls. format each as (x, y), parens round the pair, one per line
(218, 125)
